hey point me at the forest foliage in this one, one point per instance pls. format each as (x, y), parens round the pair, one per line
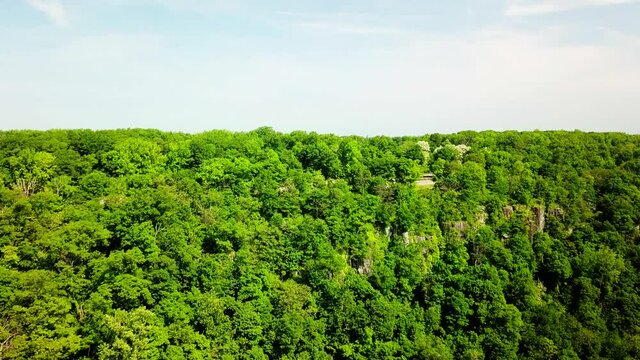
(141, 244)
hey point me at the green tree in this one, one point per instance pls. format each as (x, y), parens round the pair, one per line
(31, 169)
(136, 334)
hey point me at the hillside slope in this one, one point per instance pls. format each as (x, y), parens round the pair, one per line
(140, 244)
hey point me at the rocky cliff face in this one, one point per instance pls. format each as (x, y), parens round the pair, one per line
(539, 218)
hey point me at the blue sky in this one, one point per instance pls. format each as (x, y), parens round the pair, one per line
(395, 67)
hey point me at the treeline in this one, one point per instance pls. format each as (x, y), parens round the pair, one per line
(141, 244)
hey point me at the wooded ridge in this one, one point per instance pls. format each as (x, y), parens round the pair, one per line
(142, 244)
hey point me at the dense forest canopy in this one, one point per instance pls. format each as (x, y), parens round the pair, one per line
(141, 244)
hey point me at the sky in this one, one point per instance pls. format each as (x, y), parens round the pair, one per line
(366, 67)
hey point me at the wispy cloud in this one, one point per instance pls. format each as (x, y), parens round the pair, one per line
(541, 7)
(319, 68)
(53, 9)
(351, 28)
(346, 23)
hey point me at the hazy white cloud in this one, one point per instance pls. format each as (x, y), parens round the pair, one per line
(346, 28)
(498, 79)
(53, 9)
(509, 79)
(346, 23)
(182, 5)
(327, 78)
(540, 7)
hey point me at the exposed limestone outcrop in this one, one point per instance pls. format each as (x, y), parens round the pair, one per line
(414, 239)
(481, 215)
(536, 220)
(427, 180)
(364, 268)
(460, 226)
(539, 218)
(507, 211)
(556, 211)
